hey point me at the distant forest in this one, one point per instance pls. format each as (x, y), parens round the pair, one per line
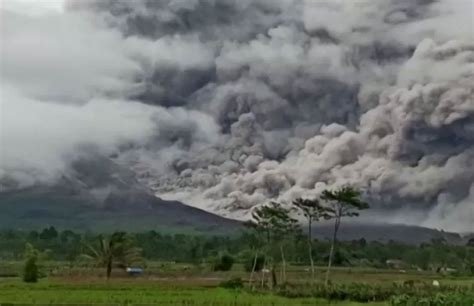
(68, 246)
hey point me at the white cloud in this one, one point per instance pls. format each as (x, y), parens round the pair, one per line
(63, 58)
(41, 138)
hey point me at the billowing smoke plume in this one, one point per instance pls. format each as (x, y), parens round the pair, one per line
(227, 104)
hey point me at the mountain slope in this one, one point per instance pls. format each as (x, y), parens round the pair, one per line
(38, 208)
(385, 232)
(101, 195)
(41, 207)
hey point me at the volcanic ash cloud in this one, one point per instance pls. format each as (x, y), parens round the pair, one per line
(229, 104)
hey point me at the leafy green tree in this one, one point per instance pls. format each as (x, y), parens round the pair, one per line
(254, 238)
(30, 273)
(419, 257)
(313, 211)
(69, 236)
(195, 251)
(345, 202)
(277, 225)
(116, 249)
(469, 256)
(33, 235)
(31, 270)
(49, 233)
(224, 263)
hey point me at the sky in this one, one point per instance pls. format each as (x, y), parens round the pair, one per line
(33, 7)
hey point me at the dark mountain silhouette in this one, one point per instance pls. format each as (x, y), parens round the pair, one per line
(386, 232)
(99, 195)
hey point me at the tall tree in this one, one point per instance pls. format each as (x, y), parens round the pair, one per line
(116, 249)
(344, 202)
(275, 222)
(254, 238)
(313, 211)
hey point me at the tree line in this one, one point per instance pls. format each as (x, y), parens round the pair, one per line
(272, 239)
(202, 250)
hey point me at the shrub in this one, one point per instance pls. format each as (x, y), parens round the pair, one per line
(451, 298)
(258, 264)
(234, 283)
(31, 272)
(224, 263)
(398, 295)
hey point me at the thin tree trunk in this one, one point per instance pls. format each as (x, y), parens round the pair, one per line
(331, 252)
(283, 262)
(281, 271)
(266, 256)
(274, 277)
(310, 249)
(254, 266)
(109, 268)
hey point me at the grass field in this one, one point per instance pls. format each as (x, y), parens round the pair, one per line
(128, 292)
(177, 284)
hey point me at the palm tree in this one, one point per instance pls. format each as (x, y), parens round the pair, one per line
(313, 211)
(344, 202)
(115, 250)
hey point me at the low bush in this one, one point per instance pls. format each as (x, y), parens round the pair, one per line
(369, 293)
(446, 299)
(31, 271)
(224, 263)
(353, 292)
(234, 283)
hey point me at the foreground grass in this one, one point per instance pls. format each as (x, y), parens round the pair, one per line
(180, 284)
(127, 292)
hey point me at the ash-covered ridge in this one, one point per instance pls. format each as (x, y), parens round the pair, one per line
(228, 104)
